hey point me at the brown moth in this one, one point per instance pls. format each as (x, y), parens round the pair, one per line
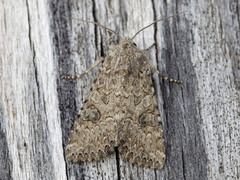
(120, 110)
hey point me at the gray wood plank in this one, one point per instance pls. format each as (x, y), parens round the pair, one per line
(30, 112)
(39, 43)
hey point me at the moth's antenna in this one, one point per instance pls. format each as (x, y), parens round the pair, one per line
(108, 29)
(156, 22)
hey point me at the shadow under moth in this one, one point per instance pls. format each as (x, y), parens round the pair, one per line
(121, 109)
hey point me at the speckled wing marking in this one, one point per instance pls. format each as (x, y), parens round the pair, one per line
(94, 132)
(120, 111)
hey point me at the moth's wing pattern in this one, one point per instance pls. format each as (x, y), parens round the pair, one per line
(94, 132)
(140, 132)
(120, 111)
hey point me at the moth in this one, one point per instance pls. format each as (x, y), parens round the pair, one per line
(121, 109)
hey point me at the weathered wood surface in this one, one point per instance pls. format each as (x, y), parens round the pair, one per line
(39, 43)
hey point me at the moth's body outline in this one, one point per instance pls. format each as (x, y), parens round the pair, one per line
(123, 107)
(120, 110)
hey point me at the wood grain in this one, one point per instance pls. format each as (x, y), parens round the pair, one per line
(39, 43)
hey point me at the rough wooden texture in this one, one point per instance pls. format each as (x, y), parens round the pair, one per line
(39, 43)
(30, 122)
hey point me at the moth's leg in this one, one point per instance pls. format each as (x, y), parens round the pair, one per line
(87, 71)
(111, 42)
(147, 49)
(154, 69)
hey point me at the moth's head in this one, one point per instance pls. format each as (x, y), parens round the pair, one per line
(127, 42)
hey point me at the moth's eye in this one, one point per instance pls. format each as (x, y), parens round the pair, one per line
(135, 44)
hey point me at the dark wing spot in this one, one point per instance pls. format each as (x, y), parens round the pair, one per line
(149, 119)
(142, 120)
(91, 113)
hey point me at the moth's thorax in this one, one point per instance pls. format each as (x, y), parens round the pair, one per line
(125, 57)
